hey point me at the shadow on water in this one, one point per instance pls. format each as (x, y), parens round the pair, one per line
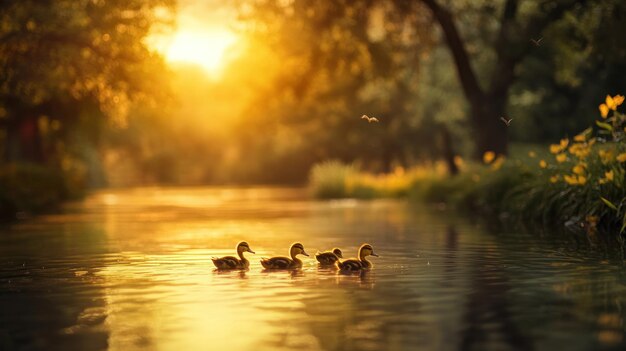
(50, 293)
(486, 316)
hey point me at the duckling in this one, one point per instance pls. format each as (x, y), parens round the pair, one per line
(231, 262)
(329, 257)
(358, 264)
(286, 262)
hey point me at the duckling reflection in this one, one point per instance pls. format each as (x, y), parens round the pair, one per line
(367, 280)
(329, 258)
(241, 273)
(281, 262)
(231, 262)
(363, 279)
(296, 273)
(356, 265)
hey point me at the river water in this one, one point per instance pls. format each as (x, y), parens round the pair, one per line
(130, 270)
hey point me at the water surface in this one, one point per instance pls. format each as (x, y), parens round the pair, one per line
(131, 270)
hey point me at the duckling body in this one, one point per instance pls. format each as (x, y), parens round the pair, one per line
(329, 257)
(232, 262)
(358, 264)
(351, 265)
(281, 262)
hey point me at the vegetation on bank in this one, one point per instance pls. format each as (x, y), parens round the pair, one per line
(27, 188)
(579, 184)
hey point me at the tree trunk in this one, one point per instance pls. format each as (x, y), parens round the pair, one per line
(448, 150)
(490, 132)
(487, 106)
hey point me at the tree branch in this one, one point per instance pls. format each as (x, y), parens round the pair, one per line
(469, 82)
(503, 73)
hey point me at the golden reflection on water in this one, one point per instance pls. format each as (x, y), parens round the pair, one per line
(169, 301)
(130, 269)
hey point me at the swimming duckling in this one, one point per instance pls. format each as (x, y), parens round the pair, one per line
(231, 262)
(358, 264)
(286, 262)
(329, 257)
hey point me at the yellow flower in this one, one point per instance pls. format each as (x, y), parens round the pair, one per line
(554, 179)
(618, 99)
(579, 169)
(543, 164)
(497, 164)
(571, 180)
(560, 158)
(458, 161)
(608, 177)
(489, 156)
(579, 150)
(604, 110)
(582, 136)
(621, 157)
(610, 103)
(605, 156)
(532, 154)
(574, 180)
(555, 148)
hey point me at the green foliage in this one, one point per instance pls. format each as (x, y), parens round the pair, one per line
(76, 49)
(33, 188)
(28, 188)
(69, 68)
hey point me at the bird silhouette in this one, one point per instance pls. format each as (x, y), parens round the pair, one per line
(506, 121)
(370, 119)
(537, 42)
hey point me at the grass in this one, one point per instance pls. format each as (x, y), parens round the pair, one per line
(333, 179)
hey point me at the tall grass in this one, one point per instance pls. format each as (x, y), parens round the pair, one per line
(329, 179)
(333, 179)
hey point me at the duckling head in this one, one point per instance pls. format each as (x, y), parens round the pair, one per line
(297, 249)
(337, 252)
(366, 250)
(244, 247)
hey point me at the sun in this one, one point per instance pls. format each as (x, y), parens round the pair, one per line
(203, 48)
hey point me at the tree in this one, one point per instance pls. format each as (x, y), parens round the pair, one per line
(511, 42)
(340, 60)
(63, 58)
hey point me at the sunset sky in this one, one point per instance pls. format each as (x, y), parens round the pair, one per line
(203, 36)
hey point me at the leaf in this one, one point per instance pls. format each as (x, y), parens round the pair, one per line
(608, 203)
(624, 225)
(605, 126)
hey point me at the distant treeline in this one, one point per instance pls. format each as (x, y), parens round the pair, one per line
(81, 95)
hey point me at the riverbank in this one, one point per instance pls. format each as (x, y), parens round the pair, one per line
(27, 189)
(577, 183)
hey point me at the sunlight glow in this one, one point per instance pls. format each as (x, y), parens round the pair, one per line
(205, 49)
